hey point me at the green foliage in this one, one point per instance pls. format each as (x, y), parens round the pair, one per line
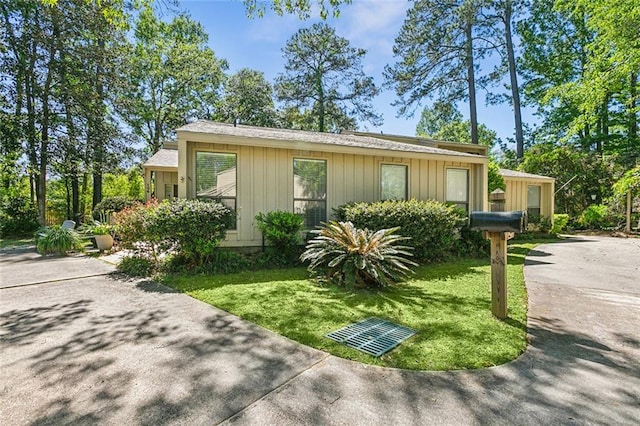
(539, 223)
(444, 122)
(137, 266)
(18, 216)
(188, 229)
(471, 244)
(248, 97)
(325, 74)
(495, 178)
(281, 229)
(129, 185)
(560, 222)
(57, 240)
(131, 227)
(97, 228)
(173, 75)
(192, 228)
(578, 175)
(357, 258)
(596, 216)
(629, 182)
(110, 205)
(431, 225)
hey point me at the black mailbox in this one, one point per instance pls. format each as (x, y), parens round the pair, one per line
(499, 221)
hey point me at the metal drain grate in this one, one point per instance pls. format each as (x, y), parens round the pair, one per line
(373, 336)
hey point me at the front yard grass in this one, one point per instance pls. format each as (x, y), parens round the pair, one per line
(449, 304)
(15, 242)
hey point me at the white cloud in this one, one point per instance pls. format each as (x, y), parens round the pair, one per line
(373, 24)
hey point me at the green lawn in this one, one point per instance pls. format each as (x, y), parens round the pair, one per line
(448, 304)
(15, 242)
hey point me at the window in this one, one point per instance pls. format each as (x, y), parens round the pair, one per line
(458, 188)
(216, 177)
(310, 190)
(533, 200)
(393, 182)
(170, 191)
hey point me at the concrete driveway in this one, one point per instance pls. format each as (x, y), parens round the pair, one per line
(99, 349)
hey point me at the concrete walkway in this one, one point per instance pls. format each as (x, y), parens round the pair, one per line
(99, 349)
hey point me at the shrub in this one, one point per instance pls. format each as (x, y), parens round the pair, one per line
(538, 223)
(595, 217)
(131, 226)
(352, 257)
(18, 216)
(137, 266)
(559, 223)
(57, 240)
(432, 225)
(282, 231)
(110, 205)
(472, 243)
(190, 228)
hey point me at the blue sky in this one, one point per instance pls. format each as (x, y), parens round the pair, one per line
(370, 24)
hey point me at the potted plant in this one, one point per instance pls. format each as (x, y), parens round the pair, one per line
(101, 232)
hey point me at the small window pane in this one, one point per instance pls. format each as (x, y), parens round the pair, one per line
(458, 185)
(310, 190)
(313, 212)
(393, 181)
(215, 175)
(310, 179)
(533, 200)
(216, 178)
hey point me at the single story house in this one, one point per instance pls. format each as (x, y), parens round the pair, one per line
(256, 170)
(526, 191)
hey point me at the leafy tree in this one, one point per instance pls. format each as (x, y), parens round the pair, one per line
(438, 46)
(174, 76)
(248, 97)
(324, 73)
(444, 122)
(578, 175)
(302, 8)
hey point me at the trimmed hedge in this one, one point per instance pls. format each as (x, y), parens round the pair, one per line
(432, 226)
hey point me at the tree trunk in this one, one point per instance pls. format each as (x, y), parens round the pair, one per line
(321, 109)
(633, 117)
(515, 92)
(473, 114)
(98, 129)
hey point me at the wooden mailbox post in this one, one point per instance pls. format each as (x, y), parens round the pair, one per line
(499, 226)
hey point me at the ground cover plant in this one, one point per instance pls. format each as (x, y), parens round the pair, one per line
(447, 303)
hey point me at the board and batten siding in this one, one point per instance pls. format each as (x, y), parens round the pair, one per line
(162, 178)
(516, 195)
(265, 180)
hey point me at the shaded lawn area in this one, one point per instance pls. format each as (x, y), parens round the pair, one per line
(15, 242)
(449, 304)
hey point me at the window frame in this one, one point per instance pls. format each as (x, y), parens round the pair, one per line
(406, 180)
(539, 208)
(458, 203)
(315, 200)
(219, 199)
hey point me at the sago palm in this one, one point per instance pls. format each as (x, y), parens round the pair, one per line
(352, 257)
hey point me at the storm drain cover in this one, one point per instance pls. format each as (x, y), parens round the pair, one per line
(373, 336)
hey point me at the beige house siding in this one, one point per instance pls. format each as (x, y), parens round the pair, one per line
(516, 194)
(162, 178)
(265, 179)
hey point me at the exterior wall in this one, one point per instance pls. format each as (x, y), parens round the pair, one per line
(516, 193)
(163, 177)
(265, 180)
